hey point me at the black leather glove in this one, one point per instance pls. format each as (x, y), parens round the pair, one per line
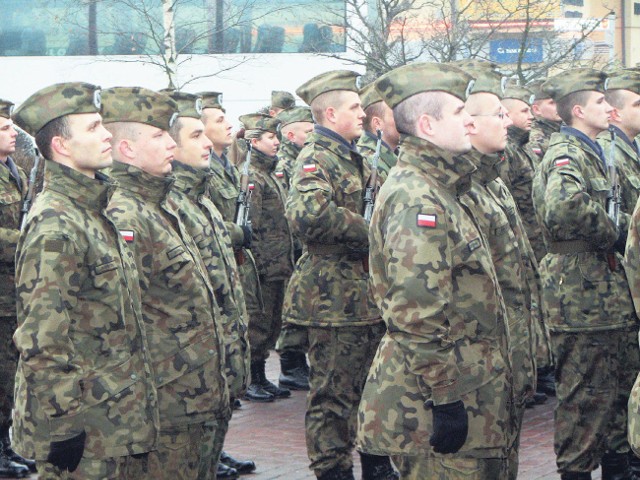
(621, 242)
(450, 427)
(247, 232)
(66, 454)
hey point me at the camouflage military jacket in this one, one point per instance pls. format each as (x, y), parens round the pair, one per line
(11, 199)
(367, 147)
(447, 336)
(83, 355)
(272, 244)
(540, 135)
(579, 288)
(205, 225)
(185, 342)
(519, 179)
(325, 204)
(224, 187)
(287, 155)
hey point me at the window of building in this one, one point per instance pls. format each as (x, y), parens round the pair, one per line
(636, 8)
(125, 27)
(572, 14)
(575, 3)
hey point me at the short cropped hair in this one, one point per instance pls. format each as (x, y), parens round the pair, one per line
(325, 100)
(407, 112)
(565, 104)
(58, 127)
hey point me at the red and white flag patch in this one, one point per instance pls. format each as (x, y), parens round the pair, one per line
(561, 162)
(537, 151)
(251, 186)
(309, 167)
(425, 220)
(279, 174)
(127, 235)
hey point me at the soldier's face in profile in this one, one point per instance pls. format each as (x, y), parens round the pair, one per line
(153, 150)
(8, 136)
(267, 143)
(217, 128)
(490, 122)
(297, 132)
(451, 131)
(193, 145)
(546, 109)
(596, 112)
(629, 114)
(347, 116)
(520, 113)
(89, 148)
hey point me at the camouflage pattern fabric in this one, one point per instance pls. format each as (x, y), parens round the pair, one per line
(9, 362)
(264, 330)
(205, 225)
(324, 208)
(287, 155)
(81, 336)
(282, 99)
(540, 135)
(367, 147)
(215, 436)
(118, 468)
(447, 335)
(521, 163)
(451, 468)
(575, 80)
(182, 320)
(339, 360)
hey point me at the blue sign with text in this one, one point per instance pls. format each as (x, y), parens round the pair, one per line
(507, 50)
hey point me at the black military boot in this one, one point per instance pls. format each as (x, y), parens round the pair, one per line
(269, 387)
(293, 373)
(634, 466)
(225, 472)
(9, 468)
(575, 476)
(546, 381)
(376, 467)
(336, 473)
(5, 443)
(615, 466)
(256, 390)
(242, 466)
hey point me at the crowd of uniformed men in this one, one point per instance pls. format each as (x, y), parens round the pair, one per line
(501, 263)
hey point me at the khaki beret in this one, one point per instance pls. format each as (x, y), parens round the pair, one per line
(520, 93)
(627, 79)
(578, 80)
(281, 99)
(409, 80)
(369, 95)
(139, 105)
(211, 100)
(329, 82)
(6, 108)
(54, 102)
(260, 121)
(189, 104)
(536, 88)
(487, 77)
(294, 115)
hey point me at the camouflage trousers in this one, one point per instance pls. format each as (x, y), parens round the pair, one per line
(9, 362)
(217, 432)
(264, 329)
(293, 338)
(251, 286)
(339, 360)
(587, 371)
(451, 467)
(544, 357)
(119, 468)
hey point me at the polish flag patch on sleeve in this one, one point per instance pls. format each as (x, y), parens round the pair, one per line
(127, 235)
(561, 162)
(426, 220)
(537, 151)
(309, 167)
(279, 174)
(251, 186)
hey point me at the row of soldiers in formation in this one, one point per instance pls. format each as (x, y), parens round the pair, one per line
(144, 310)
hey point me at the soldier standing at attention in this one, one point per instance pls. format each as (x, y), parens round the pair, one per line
(13, 189)
(296, 124)
(546, 120)
(586, 296)
(272, 245)
(280, 101)
(328, 291)
(86, 407)
(178, 304)
(378, 117)
(440, 388)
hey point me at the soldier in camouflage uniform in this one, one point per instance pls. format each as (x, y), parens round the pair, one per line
(440, 388)
(546, 120)
(280, 101)
(328, 291)
(378, 117)
(178, 302)
(86, 407)
(587, 303)
(623, 94)
(272, 245)
(296, 124)
(222, 190)
(13, 189)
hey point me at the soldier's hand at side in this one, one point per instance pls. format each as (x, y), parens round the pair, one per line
(66, 454)
(247, 233)
(450, 427)
(621, 242)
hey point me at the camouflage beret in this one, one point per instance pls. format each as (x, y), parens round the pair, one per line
(369, 95)
(409, 80)
(520, 93)
(139, 105)
(260, 121)
(578, 80)
(329, 82)
(211, 100)
(487, 77)
(627, 79)
(536, 88)
(189, 104)
(54, 102)
(280, 99)
(6, 108)
(293, 115)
